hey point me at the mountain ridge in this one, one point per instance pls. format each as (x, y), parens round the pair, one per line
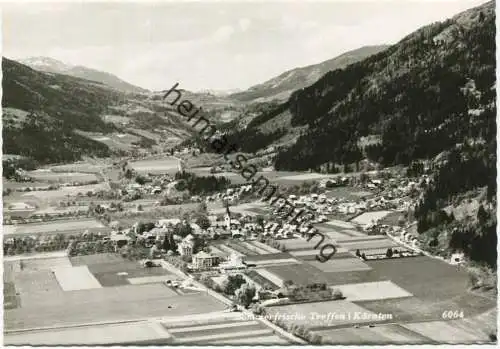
(51, 65)
(280, 87)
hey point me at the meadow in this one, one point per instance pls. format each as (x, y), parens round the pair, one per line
(60, 226)
(156, 166)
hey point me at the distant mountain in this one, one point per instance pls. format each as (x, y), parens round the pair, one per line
(282, 86)
(50, 65)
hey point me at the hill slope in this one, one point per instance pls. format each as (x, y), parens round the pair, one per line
(414, 97)
(50, 65)
(282, 86)
(44, 114)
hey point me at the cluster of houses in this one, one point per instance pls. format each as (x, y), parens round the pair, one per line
(232, 195)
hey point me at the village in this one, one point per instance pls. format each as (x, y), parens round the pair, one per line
(153, 223)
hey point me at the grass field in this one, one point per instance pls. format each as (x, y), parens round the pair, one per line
(305, 177)
(263, 246)
(414, 309)
(252, 247)
(102, 334)
(10, 299)
(347, 193)
(300, 274)
(266, 257)
(452, 332)
(75, 278)
(392, 218)
(81, 167)
(37, 264)
(63, 177)
(370, 217)
(378, 335)
(110, 304)
(367, 244)
(425, 277)
(238, 246)
(261, 280)
(340, 265)
(113, 270)
(372, 291)
(54, 227)
(62, 193)
(315, 315)
(335, 223)
(156, 166)
(221, 329)
(303, 244)
(37, 287)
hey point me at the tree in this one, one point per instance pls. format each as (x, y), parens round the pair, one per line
(140, 180)
(202, 207)
(129, 174)
(337, 294)
(139, 208)
(389, 253)
(358, 253)
(245, 294)
(203, 221)
(232, 283)
(482, 215)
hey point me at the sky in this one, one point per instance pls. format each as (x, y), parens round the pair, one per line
(221, 45)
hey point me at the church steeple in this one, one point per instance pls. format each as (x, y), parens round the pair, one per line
(227, 218)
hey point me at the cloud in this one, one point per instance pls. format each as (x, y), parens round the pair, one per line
(244, 24)
(223, 33)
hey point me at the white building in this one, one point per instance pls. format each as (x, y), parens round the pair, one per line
(186, 246)
(203, 260)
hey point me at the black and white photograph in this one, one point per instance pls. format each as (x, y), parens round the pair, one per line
(249, 173)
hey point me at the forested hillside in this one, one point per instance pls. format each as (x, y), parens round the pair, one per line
(432, 90)
(43, 110)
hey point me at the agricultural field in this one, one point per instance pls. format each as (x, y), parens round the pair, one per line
(166, 165)
(367, 244)
(323, 315)
(341, 265)
(140, 332)
(392, 218)
(378, 335)
(115, 141)
(348, 193)
(44, 301)
(112, 270)
(336, 223)
(46, 175)
(372, 291)
(222, 329)
(59, 226)
(82, 167)
(300, 274)
(335, 234)
(54, 196)
(261, 280)
(75, 278)
(451, 332)
(305, 177)
(370, 217)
